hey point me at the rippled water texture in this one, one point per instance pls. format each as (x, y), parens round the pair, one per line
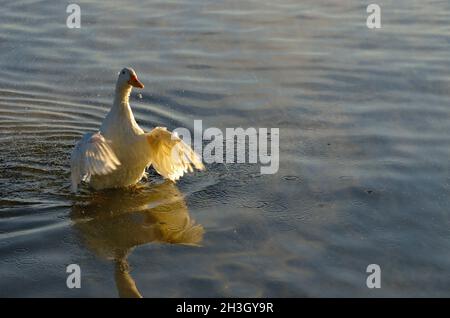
(364, 148)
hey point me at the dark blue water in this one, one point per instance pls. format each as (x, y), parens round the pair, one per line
(364, 125)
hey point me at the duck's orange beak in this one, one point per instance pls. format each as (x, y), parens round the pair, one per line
(135, 82)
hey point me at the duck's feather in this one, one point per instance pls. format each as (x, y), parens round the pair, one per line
(92, 155)
(170, 156)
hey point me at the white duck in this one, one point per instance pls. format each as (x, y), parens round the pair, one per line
(118, 154)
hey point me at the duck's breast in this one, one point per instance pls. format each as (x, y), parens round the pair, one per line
(127, 141)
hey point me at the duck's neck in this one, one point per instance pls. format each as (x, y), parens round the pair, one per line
(122, 96)
(120, 120)
(121, 106)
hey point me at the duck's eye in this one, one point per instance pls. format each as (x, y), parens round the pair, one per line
(123, 72)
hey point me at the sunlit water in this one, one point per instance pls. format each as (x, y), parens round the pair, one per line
(364, 172)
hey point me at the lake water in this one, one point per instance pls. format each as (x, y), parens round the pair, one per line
(364, 177)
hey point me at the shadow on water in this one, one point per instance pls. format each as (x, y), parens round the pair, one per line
(112, 223)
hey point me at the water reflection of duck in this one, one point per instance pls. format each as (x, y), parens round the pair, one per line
(113, 222)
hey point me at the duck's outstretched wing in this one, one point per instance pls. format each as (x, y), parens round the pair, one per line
(170, 156)
(92, 155)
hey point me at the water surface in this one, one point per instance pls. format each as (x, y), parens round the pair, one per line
(364, 172)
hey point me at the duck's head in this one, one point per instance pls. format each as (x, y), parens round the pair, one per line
(127, 78)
